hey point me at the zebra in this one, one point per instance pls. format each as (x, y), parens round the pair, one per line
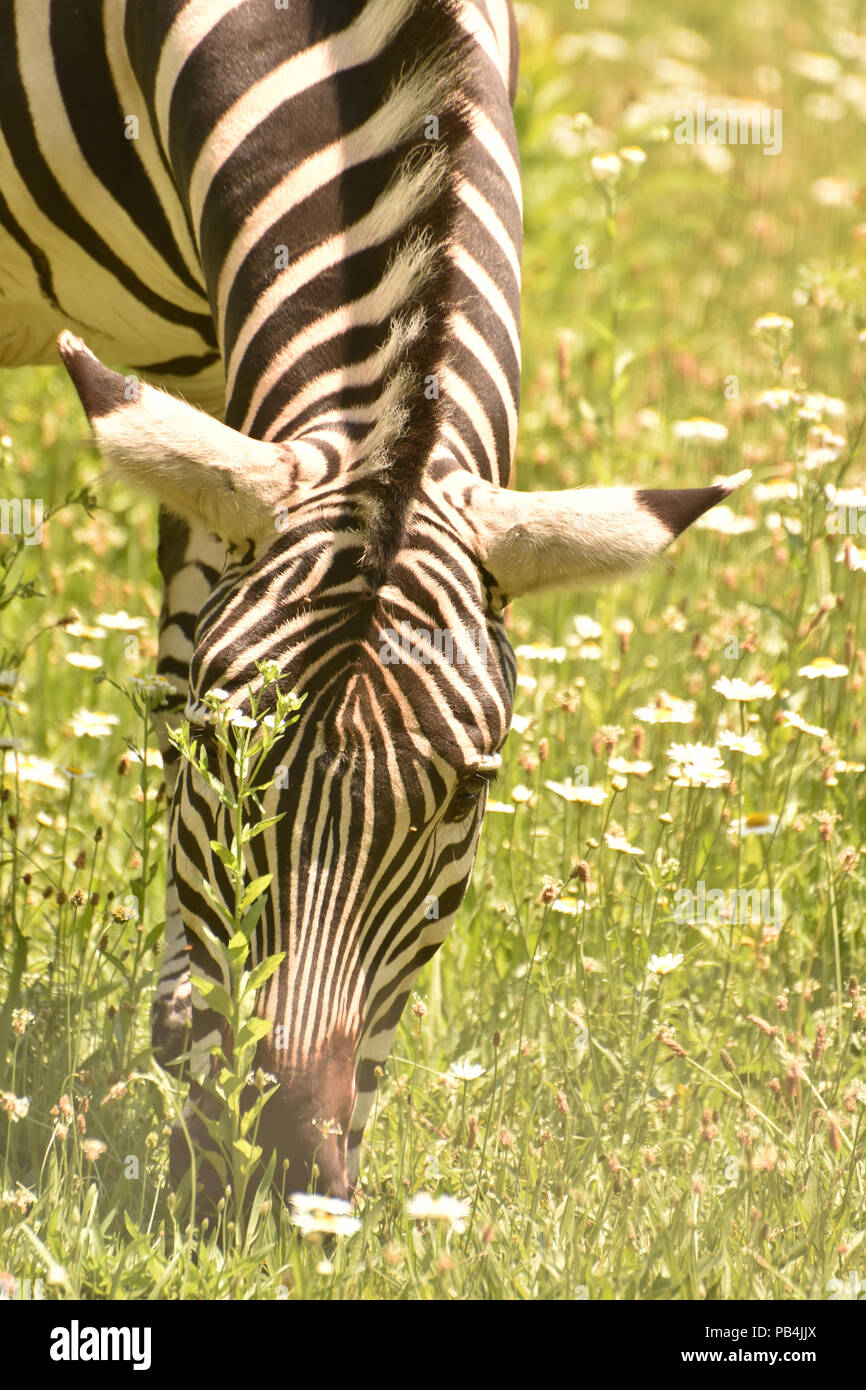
(298, 227)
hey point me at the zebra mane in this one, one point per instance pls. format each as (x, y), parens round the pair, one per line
(395, 451)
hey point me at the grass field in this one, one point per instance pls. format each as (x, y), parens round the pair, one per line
(638, 1062)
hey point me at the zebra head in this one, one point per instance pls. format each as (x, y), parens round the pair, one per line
(407, 677)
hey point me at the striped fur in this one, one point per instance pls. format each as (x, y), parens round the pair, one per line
(315, 234)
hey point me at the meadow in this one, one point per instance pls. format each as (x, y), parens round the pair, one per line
(636, 1068)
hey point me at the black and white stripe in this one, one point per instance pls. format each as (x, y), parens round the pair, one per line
(315, 234)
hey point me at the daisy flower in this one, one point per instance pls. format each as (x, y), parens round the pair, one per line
(465, 1071)
(776, 398)
(121, 622)
(823, 667)
(667, 709)
(773, 323)
(737, 689)
(38, 770)
(568, 907)
(745, 743)
(697, 765)
(82, 630)
(453, 1210)
(794, 721)
(623, 766)
(522, 795)
(606, 167)
(620, 844)
(92, 723)
(707, 431)
(725, 520)
(84, 660)
(586, 628)
(758, 823)
(538, 652)
(329, 1216)
(663, 965)
(569, 791)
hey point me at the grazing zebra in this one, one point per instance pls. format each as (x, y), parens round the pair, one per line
(305, 218)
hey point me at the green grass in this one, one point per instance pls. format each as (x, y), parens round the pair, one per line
(696, 1134)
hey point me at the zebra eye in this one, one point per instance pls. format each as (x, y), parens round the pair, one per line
(476, 779)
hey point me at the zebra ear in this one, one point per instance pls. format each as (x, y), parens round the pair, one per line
(196, 467)
(534, 540)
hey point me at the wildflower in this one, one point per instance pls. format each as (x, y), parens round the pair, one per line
(242, 721)
(697, 765)
(520, 724)
(776, 490)
(834, 192)
(816, 405)
(637, 768)
(592, 796)
(538, 652)
(568, 907)
(153, 687)
(21, 1019)
(765, 1027)
(634, 155)
(663, 965)
(92, 723)
(853, 558)
(725, 521)
(522, 795)
(665, 1036)
(773, 323)
(77, 629)
(606, 167)
(323, 1215)
(453, 1210)
(667, 709)
(707, 431)
(747, 744)
(93, 1148)
(121, 622)
(755, 824)
(741, 690)
(500, 807)
(465, 1071)
(31, 769)
(21, 1199)
(795, 721)
(16, 1107)
(115, 1092)
(84, 660)
(823, 667)
(620, 844)
(586, 628)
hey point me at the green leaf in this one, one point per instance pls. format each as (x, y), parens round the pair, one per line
(224, 855)
(250, 1152)
(214, 995)
(252, 1031)
(254, 890)
(263, 971)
